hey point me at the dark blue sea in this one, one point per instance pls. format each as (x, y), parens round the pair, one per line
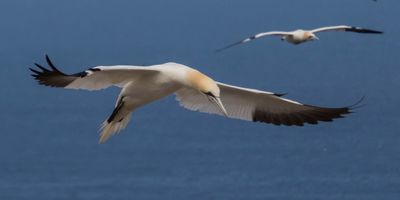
(49, 137)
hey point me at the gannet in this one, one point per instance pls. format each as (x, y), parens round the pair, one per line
(300, 36)
(194, 90)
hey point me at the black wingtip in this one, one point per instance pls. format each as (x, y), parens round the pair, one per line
(50, 63)
(372, 31)
(227, 47)
(220, 49)
(280, 94)
(364, 30)
(42, 68)
(357, 104)
(51, 76)
(34, 71)
(47, 58)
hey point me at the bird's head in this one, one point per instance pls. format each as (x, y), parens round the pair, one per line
(206, 86)
(311, 36)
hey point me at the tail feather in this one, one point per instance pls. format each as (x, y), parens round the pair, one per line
(109, 129)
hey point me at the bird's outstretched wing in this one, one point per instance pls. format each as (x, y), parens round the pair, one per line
(257, 36)
(259, 106)
(346, 28)
(92, 79)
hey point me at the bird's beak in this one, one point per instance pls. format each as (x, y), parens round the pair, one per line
(217, 101)
(315, 38)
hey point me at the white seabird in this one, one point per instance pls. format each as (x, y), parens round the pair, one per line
(300, 36)
(194, 90)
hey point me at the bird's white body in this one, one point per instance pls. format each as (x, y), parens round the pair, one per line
(299, 36)
(142, 91)
(194, 90)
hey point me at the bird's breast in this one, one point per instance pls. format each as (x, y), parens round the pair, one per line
(148, 90)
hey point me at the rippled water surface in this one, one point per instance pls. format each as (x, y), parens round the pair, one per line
(48, 145)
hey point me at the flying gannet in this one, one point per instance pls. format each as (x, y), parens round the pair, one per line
(300, 36)
(194, 90)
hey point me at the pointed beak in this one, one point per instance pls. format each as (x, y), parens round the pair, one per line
(220, 106)
(315, 38)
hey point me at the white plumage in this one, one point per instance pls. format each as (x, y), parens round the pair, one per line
(194, 90)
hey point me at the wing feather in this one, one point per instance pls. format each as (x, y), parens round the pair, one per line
(92, 79)
(257, 36)
(346, 28)
(259, 106)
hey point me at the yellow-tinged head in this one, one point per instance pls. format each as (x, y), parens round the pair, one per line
(310, 36)
(207, 86)
(203, 83)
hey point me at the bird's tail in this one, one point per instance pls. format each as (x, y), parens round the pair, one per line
(111, 128)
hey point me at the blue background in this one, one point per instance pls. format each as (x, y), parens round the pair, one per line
(48, 145)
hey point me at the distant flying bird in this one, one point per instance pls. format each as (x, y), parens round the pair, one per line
(300, 36)
(194, 90)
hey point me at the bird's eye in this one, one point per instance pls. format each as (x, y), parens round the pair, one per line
(209, 94)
